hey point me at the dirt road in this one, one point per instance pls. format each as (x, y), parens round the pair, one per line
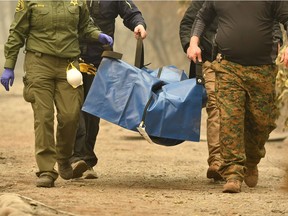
(135, 177)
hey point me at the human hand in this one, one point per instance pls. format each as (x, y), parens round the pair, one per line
(194, 53)
(139, 30)
(105, 39)
(7, 77)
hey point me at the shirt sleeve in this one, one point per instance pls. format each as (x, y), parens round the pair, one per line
(130, 14)
(187, 22)
(204, 17)
(18, 32)
(87, 29)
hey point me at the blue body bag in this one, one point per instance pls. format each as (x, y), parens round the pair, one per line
(168, 104)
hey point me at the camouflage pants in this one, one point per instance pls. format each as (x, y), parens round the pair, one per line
(246, 101)
(213, 115)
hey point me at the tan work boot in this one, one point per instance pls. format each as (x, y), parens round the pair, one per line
(212, 172)
(90, 174)
(65, 170)
(251, 176)
(79, 168)
(232, 186)
(45, 181)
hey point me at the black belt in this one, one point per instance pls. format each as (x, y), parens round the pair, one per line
(220, 57)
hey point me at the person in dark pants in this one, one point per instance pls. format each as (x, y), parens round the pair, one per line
(50, 31)
(209, 51)
(245, 81)
(104, 14)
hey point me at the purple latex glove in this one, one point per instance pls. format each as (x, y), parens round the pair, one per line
(105, 39)
(7, 77)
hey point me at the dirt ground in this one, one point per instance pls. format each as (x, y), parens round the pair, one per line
(135, 177)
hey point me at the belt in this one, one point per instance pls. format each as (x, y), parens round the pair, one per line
(39, 54)
(220, 57)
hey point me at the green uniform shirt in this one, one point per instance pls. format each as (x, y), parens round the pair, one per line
(49, 27)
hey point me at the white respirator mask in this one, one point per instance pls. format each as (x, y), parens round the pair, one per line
(74, 76)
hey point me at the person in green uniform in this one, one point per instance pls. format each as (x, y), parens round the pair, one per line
(50, 31)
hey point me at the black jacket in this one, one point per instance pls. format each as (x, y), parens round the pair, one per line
(104, 14)
(207, 39)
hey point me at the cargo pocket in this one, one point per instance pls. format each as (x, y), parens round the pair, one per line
(27, 91)
(40, 16)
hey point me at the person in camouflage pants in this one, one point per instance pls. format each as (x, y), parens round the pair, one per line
(245, 81)
(246, 99)
(208, 48)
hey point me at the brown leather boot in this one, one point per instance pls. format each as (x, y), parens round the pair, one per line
(251, 176)
(65, 169)
(45, 181)
(79, 168)
(90, 174)
(232, 186)
(212, 171)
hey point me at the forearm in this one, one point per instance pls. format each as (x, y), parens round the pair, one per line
(130, 14)
(187, 23)
(194, 41)
(198, 28)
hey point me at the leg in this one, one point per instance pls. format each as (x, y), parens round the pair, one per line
(86, 136)
(87, 131)
(92, 129)
(39, 90)
(231, 98)
(260, 117)
(261, 112)
(79, 147)
(214, 159)
(68, 101)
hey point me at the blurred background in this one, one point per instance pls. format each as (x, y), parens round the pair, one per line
(162, 45)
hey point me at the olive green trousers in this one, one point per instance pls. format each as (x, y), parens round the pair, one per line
(46, 88)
